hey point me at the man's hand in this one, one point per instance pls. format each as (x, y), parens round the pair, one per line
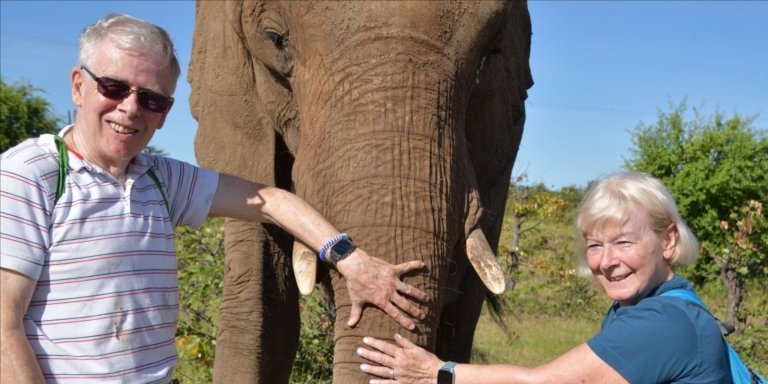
(372, 280)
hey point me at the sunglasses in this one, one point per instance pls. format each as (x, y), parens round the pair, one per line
(118, 90)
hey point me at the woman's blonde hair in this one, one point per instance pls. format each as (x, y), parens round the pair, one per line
(610, 200)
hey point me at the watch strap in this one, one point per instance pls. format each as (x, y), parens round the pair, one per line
(322, 254)
(340, 250)
(448, 367)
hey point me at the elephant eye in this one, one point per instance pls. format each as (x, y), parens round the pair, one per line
(281, 61)
(277, 39)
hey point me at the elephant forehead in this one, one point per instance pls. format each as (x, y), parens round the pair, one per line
(335, 25)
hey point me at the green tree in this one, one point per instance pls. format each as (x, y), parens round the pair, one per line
(525, 204)
(717, 169)
(153, 150)
(23, 114)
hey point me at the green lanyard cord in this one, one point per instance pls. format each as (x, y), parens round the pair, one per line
(154, 178)
(63, 166)
(64, 170)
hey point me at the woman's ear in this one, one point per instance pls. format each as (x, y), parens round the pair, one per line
(669, 241)
(78, 91)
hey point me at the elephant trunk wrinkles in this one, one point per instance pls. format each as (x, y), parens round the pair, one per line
(395, 139)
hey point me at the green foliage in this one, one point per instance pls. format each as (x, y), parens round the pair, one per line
(752, 341)
(314, 359)
(201, 266)
(536, 238)
(714, 167)
(23, 114)
(534, 202)
(153, 150)
(746, 234)
(526, 208)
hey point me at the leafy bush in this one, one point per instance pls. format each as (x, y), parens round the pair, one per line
(23, 114)
(201, 266)
(314, 359)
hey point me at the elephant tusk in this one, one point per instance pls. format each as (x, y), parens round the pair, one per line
(304, 267)
(484, 261)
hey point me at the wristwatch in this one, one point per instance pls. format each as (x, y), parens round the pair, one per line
(445, 374)
(341, 250)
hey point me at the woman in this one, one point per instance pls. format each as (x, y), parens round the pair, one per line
(632, 239)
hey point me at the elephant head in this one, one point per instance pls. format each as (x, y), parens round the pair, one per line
(398, 121)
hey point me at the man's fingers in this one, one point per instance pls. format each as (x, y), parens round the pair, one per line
(399, 317)
(354, 315)
(409, 266)
(409, 308)
(408, 289)
(414, 292)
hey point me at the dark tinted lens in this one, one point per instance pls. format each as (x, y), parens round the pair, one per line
(154, 102)
(117, 90)
(113, 89)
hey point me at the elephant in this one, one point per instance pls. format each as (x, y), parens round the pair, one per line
(398, 121)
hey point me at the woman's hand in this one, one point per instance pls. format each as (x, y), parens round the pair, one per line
(404, 362)
(372, 280)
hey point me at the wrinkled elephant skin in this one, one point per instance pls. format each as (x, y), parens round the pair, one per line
(399, 121)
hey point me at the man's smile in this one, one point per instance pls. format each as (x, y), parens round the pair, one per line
(121, 129)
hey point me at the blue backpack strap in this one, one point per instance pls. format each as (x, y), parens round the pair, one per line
(740, 373)
(725, 329)
(685, 295)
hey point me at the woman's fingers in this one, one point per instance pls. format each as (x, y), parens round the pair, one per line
(394, 312)
(384, 348)
(402, 342)
(385, 372)
(382, 355)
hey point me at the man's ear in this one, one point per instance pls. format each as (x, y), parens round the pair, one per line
(78, 90)
(669, 241)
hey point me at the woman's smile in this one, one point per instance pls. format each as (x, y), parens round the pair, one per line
(616, 278)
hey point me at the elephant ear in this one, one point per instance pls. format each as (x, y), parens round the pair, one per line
(234, 135)
(496, 114)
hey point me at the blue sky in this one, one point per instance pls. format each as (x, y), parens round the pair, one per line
(600, 68)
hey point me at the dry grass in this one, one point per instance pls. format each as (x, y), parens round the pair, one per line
(531, 341)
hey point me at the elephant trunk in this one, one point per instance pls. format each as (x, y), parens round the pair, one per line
(385, 159)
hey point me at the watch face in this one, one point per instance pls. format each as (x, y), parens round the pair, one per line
(342, 249)
(444, 377)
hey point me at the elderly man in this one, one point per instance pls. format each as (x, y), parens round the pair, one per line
(88, 269)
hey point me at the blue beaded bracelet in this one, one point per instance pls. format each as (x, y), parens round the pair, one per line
(330, 243)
